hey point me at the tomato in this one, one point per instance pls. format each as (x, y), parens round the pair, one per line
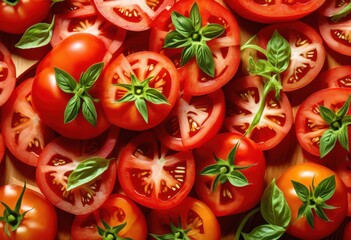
(7, 74)
(17, 16)
(50, 101)
(191, 214)
(2, 147)
(343, 169)
(132, 15)
(118, 209)
(309, 125)
(40, 221)
(311, 175)
(339, 76)
(62, 156)
(153, 175)
(74, 8)
(227, 198)
(243, 96)
(24, 133)
(134, 70)
(347, 231)
(225, 48)
(273, 11)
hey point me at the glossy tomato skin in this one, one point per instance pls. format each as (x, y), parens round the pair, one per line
(304, 173)
(16, 19)
(227, 199)
(343, 169)
(40, 222)
(192, 213)
(116, 210)
(7, 74)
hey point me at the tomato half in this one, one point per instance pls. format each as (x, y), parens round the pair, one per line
(339, 76)
(7, 74)
(153, 175)
(118, 209)
(225, 48)
(243, 96)
(306, 174)
(60, 157)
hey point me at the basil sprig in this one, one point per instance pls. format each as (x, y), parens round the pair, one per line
(140, 92)
(190, 35)
(342, 13)
(80, 90)
(109, 232)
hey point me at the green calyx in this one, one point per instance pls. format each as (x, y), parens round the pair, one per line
(338, 128)
(314, 198)
(140, 92)
(111, 233)
(12, 217)
(178, 233)
(190, 35)
(81, 99)
(11, 2)
(342, 13)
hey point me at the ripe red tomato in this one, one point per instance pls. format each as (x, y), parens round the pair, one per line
(311, 175)
(17, 16)
(153, 175)
(347, 231)
(62, 156)
(343, 169)
(225, 48)
(339, 76)
(243, 96)
(146, 65)
(7, 74)
(191, 214)
(39, 222)
(117, 210)
(24, 133)
(273, 11)
(2, 147)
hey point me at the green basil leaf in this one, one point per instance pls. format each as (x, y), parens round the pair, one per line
(301, 190)
(321, 214)
(265, 232)
(309, 217)
(210, 170)
(86, 171)
(274, 208)
(128, 97)
(212, 31)
(343, 137)
(278, 52)
(216, 182)
(154, 96)
(302, 210)
(327, 142)
(89, 77)
(204, 59)
(237, 179)
(175, 40)
(195, 17)
(89, 110)
(342, 13)
(72, 109)
(65, 81)
(187, 54)
(346, 120)
(327, 114)
(183, 25)
(344, 109)
(141, 106)
(326, 188)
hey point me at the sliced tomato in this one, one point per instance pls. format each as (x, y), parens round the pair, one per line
(153, 175)
(74, 8)
(243, 96)
(7, 74)
(339, 76)
(193, 121)
(60, 157)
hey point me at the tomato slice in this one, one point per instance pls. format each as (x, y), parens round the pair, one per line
(60, 157)
(193, 121)
(74, 8)
(7, 74)
(153, 175)
(339, 76)
(243, 96)
(307, 52)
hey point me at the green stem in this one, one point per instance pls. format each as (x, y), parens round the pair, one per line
(243, 222)
(11, 2)
(253, 46)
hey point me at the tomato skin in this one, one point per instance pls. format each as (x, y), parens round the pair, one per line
(347, 231)
(304, 173)
(39, 222)
(343, 169)
(7, 74)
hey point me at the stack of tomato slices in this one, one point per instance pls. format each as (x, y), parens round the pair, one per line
(170, 119)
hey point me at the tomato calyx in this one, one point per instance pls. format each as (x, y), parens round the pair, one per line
(342, 13)
(11, 2)
(314, 198)
(178, 233)
(12, 217)
(81, 97)
(140, 92)
(111, 233)
(192, 37)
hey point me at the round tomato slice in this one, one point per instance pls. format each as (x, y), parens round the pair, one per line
(61, 157)
(117, 210)
(193, 121)
(133, 15)
(153, 175)
(225, 48)
(273, 11)
(25, 135)
(192, 215)
(307, 52)
(243, 96)
(7, 74)
(336, 77)
(74, 8)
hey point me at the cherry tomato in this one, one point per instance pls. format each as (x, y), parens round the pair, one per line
(7, 74)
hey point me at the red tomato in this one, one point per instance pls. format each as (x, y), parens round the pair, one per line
(339, 76)
(193, 121)
(50, 101)
(74, 8)
(307, 52)
(243, 97)
(273, 11)
(40, 221)
(17, 16)
(309, 125)
(308, 174)
(225, 49)
(143, 65)
(60, 157)
(24, 133)
(132, 15)
(153, 175)
(7, 74)
(347, 231)
(191, 214)
(2, 147)
(227, 199)
(118, 209)
(343, 169)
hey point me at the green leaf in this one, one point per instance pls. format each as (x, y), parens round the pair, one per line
(343, 137)
(265, 232)
(204, 59)
(195, 17)
(238, 179)
(342, 13)
(261, 67)
(128, 97)
(175, 40)
(90, 76)
(140, 104)
(65, 81)
(72, 109)
(86, 171)
(302, 210)
(327, 114)
(326, 188)
(278, 52)
(327, 142)
(37, 35)
(154, 96)
(320, 213)
(344, 109)
(89, 110)
(187, 54)
(301, 190)
(183, 25)
(211, 170)
(309, 216)
(212, 30)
